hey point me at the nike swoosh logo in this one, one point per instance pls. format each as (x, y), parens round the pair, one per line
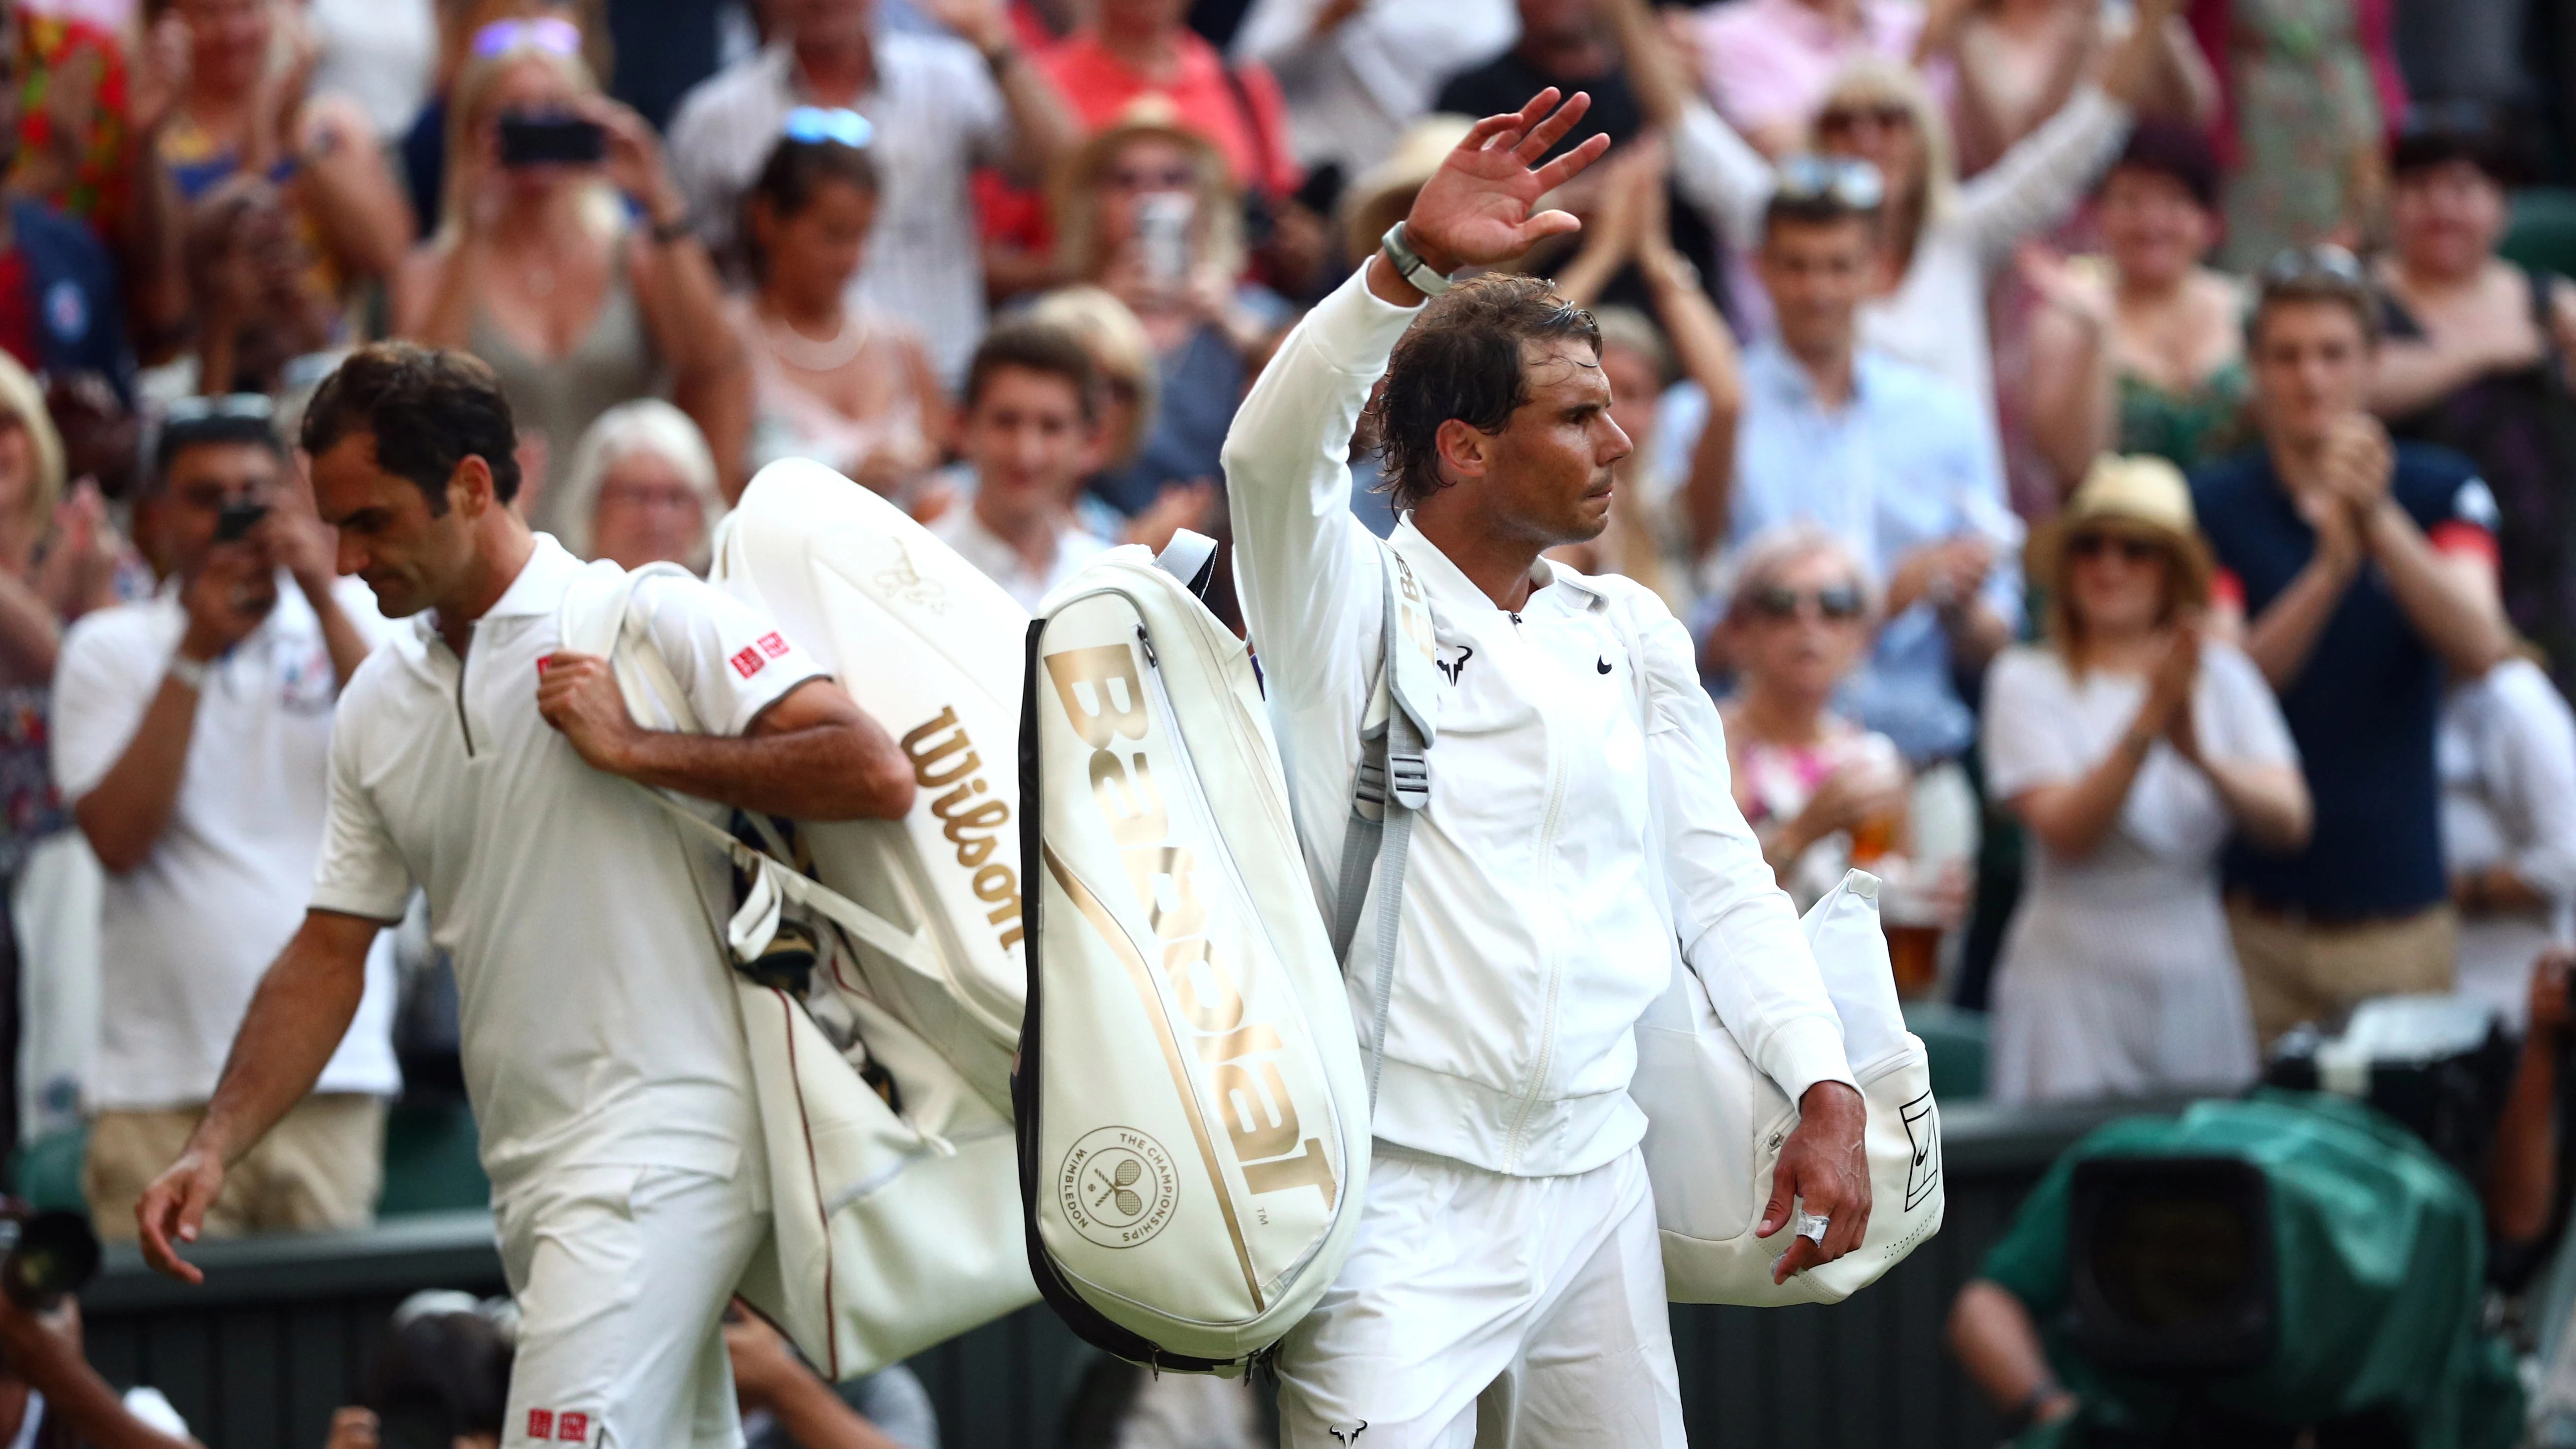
(1604, 666)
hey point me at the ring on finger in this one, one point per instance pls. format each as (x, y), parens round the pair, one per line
(1811, 1226)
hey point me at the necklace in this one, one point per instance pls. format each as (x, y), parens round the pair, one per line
(808, 354)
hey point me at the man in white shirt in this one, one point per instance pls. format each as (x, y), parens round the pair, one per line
(601, 1043)
(1029, 431)
(942, 105)
(192, 734)
(1508, 1261)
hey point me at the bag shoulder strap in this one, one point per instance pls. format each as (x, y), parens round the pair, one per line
(1392, 785)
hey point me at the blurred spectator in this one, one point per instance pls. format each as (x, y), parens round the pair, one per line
(941, 105)
(1356, 75)
(786, 1405)
(538, 270)
(460, 22)
(191, 733)
(2150, 358)
(2366, 571)
(2306, 88)
(251, 284)
(2477, 359)
(1144, 211)
(642, 489)
(1939, 241)
(1131, 382)
(2473, 52)
(2019, 61)
(1767, 62)
(1821, 793)
(1029, 428)
(50, 1398)
(2507, 754)
(1663, 519)
(238, 110)
(440, 1378)
(1130, 49)
(1120, 1405)
(2130, 745)
(1568, 44)
(1889, 458)
(61, 310)
(379, 53)
(835, 378)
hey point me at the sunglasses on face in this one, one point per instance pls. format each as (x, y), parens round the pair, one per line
(821, 123)
(1835, 604)
(547, 33)
(2130, 550)
(1851, 184)
(1886, 115)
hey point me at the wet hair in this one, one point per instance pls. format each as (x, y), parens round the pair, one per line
(428, 410)
(1037, 347)
(2177, 152)
(1463, 359)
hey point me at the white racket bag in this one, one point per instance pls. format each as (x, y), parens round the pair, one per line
(1715, 1124)
(1192, 1114)
(891, 1168)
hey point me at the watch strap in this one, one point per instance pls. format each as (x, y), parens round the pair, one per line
(190, 672)
(1409, 263)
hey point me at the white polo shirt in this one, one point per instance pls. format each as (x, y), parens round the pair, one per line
(596, 1008)
(186, 935)
(994, 556)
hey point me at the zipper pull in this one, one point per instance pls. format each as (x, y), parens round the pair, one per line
(1147, 645)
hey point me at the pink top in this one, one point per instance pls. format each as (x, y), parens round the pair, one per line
(1768, 61)
(1249, 122)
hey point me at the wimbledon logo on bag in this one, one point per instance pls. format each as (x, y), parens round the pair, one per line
(1218, 997)
(1117, 1187)
(960, 812)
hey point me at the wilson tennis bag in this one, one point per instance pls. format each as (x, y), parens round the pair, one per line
(1715, 1124)
(1193, 1120)
(891, 1174)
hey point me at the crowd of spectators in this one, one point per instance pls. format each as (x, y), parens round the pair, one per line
(2121, 486)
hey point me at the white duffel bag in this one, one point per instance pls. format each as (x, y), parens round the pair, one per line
(896, 1222)
(930, 648)
(1192, 1113)
(1715, 1124)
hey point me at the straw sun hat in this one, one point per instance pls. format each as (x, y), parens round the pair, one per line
(2140, 496)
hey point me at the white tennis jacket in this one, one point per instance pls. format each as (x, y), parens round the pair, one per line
(1531, 940)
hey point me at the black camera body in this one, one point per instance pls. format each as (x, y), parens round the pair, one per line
(44, 1256)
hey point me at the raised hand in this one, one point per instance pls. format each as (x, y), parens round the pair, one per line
(1475, 210)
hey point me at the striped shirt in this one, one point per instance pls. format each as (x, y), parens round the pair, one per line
(937, 115)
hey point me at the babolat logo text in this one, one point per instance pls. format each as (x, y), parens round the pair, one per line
(1105, 702)
(959, 812)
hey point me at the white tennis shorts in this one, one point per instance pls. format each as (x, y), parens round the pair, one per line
(622, 1275)
(1530, 1307)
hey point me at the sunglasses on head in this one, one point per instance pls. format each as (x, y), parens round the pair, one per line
(2302, 264)
(1835, 603)
(548, 33)
(821, 123)
(1143, 178)
(1849, 183)
(253, 406)
(1886, 115)
(2130, 548)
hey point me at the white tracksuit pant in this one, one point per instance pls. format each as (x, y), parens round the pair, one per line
(1480, 1309)
(622, 1275)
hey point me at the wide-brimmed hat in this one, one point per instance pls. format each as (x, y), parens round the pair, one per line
(2138, 494)
(1384, 192)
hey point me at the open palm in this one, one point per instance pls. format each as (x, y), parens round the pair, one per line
(1475, 210)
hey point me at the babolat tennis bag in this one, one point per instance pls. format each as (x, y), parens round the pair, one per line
(1715, 1124)
(1192, 1113)
(879, 999)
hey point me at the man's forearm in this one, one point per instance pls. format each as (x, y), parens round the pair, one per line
(826, 772)
(297, 1017)
(129, 808)
(2456, 617)
(73, 1390)
(2283, 636)
(1043, 133)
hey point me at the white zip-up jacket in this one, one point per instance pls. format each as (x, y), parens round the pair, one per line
(1532, 939)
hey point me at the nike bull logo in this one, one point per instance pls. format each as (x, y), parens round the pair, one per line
(1450, 669)
(1351, 1437)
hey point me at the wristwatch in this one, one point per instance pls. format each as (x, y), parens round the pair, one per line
(1409, 263)
(190, 672)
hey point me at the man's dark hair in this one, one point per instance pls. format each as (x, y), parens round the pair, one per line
(2439, 134)
(1463, 359)
(1035, 347)
(428, 410)
(180, 434)
(2175, 151)
(794, 174)
(2305, 275)
(1816, 209)
(439, 1377)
